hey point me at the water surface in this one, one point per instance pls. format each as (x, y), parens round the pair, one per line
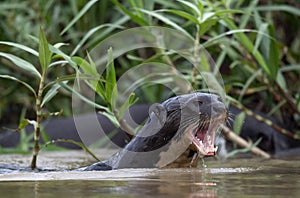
(233, 178)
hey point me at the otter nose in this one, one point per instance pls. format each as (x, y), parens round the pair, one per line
(218, 108)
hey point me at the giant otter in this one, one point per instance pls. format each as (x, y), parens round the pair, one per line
(177, 133)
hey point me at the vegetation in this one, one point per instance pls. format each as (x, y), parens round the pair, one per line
(255, 47)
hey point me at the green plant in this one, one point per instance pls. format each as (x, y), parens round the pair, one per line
(255, 45)
(244, 40)
(45, 90)
(84, 23)
(106, 88)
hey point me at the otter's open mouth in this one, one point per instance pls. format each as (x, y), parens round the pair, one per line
(203, 139)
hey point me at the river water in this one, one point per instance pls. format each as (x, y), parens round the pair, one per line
(239, 177)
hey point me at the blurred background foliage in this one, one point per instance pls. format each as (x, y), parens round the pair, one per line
(255, 45)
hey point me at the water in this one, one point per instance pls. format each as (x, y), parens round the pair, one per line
(233, 178)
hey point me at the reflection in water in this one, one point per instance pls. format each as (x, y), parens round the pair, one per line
(236, 178)
(181, 185)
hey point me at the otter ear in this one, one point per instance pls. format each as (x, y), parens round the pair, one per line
(159, 112)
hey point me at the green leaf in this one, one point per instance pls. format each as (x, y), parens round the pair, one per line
(137, 4)
(251, 79)
(60, 79)
(140, 21)
(63, 55)
(206, 25)
(60, 62)
(90, 33)
(262, 28)
(112, 118)
(287, 68)
(212, 40)
(209, 19)
(130, 101)
(100, 89)
(249, 46)
(79, 15)
(51, 93)
(167, 21)
(87, 68)
(231, 11)
(281, 81)
(213, 83)
(23, 123)
(19, 81)
(273, 59)
(192, 6)
(20, 46)
(44, 52)
(107, 31)
(238, 123)
(244, 20)
(218, 15)
(58, 45)
(286, 8)
(111, 82)
(95, 80)
(92, 103)
(34, 38)
(204, 65)
(181, 14)
(22, 64)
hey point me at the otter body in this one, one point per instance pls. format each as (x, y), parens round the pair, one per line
(176, 134)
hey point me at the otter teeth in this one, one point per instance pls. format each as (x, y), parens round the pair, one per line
(209, 139)
(206, 148)
(216, 149)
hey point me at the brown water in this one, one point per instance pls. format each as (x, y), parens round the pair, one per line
(233, 178)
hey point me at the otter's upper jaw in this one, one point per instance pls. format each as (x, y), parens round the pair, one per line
(204, 137)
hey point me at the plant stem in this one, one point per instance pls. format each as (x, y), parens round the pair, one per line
(196, 62)
(127, 128)
(73, 142)
(124, 125)
(288, 98)
(242, 142)
(37, 128)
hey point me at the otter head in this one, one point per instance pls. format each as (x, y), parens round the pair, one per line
(192, 121)
(176, 131)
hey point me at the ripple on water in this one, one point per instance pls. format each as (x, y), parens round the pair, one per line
(121, 174)
(231, 170)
